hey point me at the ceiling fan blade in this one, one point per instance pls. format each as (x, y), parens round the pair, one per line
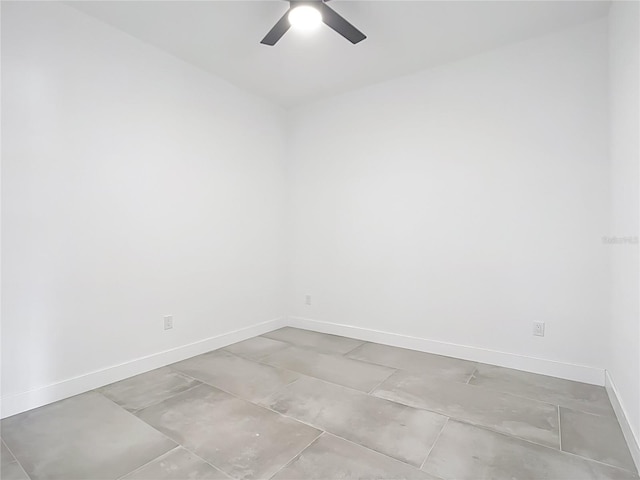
(340, 25)
(278, 30)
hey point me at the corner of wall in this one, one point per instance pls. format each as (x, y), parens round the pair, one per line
(623, 418)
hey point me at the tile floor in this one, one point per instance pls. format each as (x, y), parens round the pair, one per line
(295, 404)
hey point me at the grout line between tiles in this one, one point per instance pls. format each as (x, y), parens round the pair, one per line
(354, 348)
(494, 389)
(434, 443)
(168, 438)
(264, 406)
(309, 424)
(327, 352)
(287, 342)
(253, 359)
(150, 461)
(15, 459)
(311, 347)
(469, 422)
(207, 462)
(375, 451)
(259, 362)
(559, 430)
(462, 420)
(158, 401)
(335, 355)
(471, 376)
(562, 452)
(302, 374)
(548, 402)
(574, 409)
(298, 454)
(381, 382)
(21, 468)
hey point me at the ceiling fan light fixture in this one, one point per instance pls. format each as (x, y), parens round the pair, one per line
(305, 18)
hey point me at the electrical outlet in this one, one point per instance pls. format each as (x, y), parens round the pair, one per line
(538, 329)
(307, 299)
(168, 322)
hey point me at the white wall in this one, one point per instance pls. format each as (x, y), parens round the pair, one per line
(624, 59)
(463, 203)
(133, 186)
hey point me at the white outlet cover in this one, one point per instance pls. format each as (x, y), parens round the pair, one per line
(168, 322)
(538, 329)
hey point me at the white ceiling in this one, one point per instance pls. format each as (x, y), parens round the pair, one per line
(223, 37)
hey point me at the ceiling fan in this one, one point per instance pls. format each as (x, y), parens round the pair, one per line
(309, 12)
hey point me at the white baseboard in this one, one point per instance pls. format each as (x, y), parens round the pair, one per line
(21, 402)
(623, 419)
(568, 371)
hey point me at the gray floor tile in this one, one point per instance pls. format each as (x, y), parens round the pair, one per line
(143, 390)
(242, 377)
(331, 367)
(12, 471)
(574, 395)
(521, 417)
(257, 347)
(401, 432)
(413, 361)
(594, 436)
(86, 436)
(5, 454)
(331, 457)
(238, 437)
(319, 341)
(177, 464)
(384, 435)
(465, 452)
